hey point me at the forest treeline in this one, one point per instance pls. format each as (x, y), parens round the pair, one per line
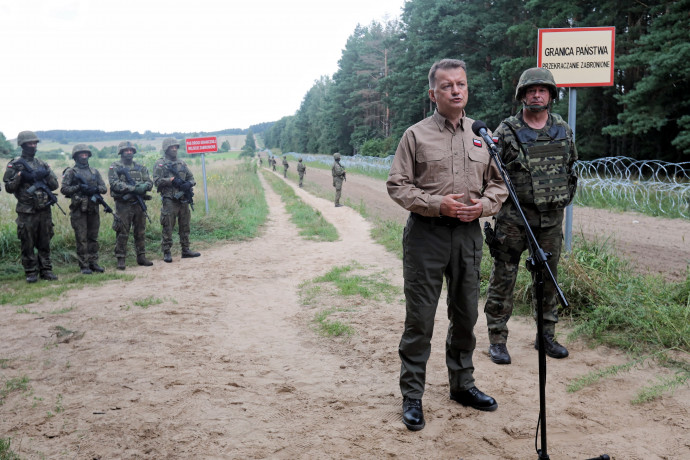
(87, 136)
(380, 87)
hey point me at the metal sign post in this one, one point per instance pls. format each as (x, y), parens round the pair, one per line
(202, 145)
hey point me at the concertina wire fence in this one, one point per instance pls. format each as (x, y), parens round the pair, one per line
(649, 186)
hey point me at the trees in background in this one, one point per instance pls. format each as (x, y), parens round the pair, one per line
(380, 87)
(249, 145)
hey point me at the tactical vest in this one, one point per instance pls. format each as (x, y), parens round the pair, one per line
(540, 172)
(136, 174)
(79, 200)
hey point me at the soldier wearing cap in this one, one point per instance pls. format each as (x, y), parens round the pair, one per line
(174, 182)
(339, 176)
(80, 183)
(127, 206)
(34, 215)
(301, 171)
(538, 150)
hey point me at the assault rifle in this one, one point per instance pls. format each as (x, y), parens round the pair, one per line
(96, 197)
(131, 181)
(189, 193)
(40, 185)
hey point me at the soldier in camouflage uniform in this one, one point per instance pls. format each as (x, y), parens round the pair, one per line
(174, 181)
(80, 183)
(273, 162)
(538, 150)
(285, 166)
(34, 216)
(301, 170)
(338, 173)
(129, 211)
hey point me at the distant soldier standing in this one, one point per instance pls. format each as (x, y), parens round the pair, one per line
(301, 170)
(129, 193)
(338, 173)
(174, 181)
(285, 166)
(273, 162)
(80, 183)
(34, 216)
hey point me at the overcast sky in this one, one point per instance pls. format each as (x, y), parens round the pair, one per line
(193, 65)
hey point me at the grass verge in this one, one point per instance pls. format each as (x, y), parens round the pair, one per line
(310, 222)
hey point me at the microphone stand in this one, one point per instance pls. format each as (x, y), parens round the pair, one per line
(537, 264)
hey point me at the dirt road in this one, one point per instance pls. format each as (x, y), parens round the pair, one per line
(228, 366)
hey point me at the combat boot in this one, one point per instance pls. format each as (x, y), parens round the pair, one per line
(96, 268)
(31, 278)
(48, 276)
(142, 260)
(120, 263)
(552, 347)
(187, 253)
(86, 271)
(167, 257)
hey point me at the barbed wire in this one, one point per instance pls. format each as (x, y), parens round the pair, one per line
(650, 186)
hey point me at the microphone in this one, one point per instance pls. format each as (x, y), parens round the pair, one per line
(479, 128)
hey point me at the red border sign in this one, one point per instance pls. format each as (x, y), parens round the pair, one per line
(579, 56)
(201, 145)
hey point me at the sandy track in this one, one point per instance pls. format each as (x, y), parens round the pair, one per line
(228, 366)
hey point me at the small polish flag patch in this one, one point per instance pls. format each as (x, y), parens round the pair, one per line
(495, 139)
(477, 142)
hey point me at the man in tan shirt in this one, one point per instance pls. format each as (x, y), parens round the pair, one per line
(442, 173)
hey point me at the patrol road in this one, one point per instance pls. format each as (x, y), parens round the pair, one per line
(654, 245)
(228, 366)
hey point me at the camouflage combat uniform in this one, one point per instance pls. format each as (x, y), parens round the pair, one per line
(338, 173)
(285, 167)
(540, 165)
(34, 215)
(84, 213)
(127, 208)
(301, 170)
(175, 203)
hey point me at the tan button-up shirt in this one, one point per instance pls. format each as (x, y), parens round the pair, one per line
(435, 159)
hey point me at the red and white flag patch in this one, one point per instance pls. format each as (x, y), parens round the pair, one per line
(477, 142)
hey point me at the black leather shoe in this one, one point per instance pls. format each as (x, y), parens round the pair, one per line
(86, 271)
(551, 347)
(143, 261)
(167, 257)
(96, 268)
(32, 278)
(498, 352)
(413, 414)
(187, 253)
(475, 399)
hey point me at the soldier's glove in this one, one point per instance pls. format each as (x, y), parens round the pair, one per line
(27, 176)
(41, 173)
(92, 190)
(177, 182)
(84, 188)
(186, 186)
(140, 189)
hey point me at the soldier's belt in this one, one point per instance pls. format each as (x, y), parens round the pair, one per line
(442, 221)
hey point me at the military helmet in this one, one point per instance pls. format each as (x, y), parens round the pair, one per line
(536, 76)
(27, 136)
(336, 156)
(125, 145)
(300, 159)
(80, 148)
(169, 142)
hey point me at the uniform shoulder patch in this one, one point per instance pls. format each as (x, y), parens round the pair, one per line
(477, 142)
